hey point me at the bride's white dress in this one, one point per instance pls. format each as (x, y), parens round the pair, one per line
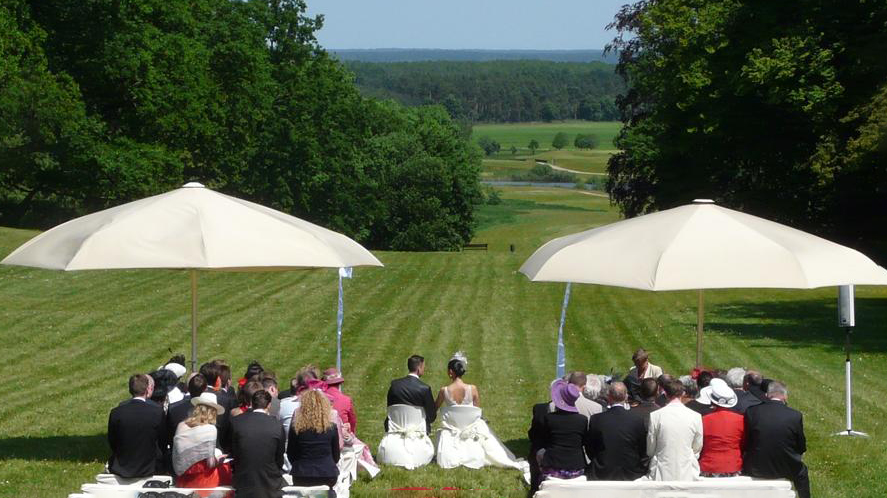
(465, 438)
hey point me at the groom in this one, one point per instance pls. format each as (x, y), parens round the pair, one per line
(410, 390)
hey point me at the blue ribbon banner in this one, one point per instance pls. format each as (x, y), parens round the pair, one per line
(561, 350)
(340, 316)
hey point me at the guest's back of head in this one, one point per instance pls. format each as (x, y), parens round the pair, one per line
(735, 377)
(704, 379)
(210, 371)
(140, 384)
(752, 378)
(314, 413)
(577, 378)
(617, 393)
(592, 387)
(202, 415)
(224, 373)
(690, 388)
(260, 399)
(673, 389)
(245, 395)
(648, 390)
(164, 382)
(414, 363)
(196, 385)
(254, 368)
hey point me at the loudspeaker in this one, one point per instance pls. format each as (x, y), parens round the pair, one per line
(846, 314)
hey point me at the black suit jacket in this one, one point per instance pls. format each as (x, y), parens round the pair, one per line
(565, 439)
(744, 401)
(617, 440)
(536, 436)
(411, 391)
(644, 409)
(258, 443)
(314, 455)
(699, 407)
(223, 421)
(774, 441)
(135, 429)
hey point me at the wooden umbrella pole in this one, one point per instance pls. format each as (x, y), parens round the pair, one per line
(700, 319)
(193, 321)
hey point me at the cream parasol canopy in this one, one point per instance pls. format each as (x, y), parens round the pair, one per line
(700, 246)
(191, 228)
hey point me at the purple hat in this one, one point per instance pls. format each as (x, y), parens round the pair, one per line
(564, 396)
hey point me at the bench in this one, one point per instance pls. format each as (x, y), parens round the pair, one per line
(474, 247)
(730, 487)
(124, 491)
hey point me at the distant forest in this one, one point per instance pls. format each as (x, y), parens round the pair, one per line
(497, 91)
(436, 54)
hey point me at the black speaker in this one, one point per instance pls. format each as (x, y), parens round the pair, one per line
(846, 314)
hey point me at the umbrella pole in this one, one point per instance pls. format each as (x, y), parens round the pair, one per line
(193, 321)
(561, 364)
(700, 320)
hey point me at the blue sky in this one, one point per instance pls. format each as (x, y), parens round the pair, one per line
(459, 24)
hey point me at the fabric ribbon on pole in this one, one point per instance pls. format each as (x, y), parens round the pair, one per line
(340, 316)
(561, 350)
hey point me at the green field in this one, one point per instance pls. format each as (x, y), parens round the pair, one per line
(69, 341)
(503, 165)
(520, 134)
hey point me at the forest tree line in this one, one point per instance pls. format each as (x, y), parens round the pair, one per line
(498, 91)
(103, 102)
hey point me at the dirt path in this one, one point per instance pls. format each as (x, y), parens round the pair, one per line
(558, 168)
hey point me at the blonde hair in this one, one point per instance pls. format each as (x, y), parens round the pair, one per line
(202, 415)
(314, 413)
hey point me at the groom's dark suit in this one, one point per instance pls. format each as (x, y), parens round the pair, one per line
(410, 390)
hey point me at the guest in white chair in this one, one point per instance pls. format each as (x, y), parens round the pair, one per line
(410, 390)
(563, 435)
(135, 429)
(674, 439)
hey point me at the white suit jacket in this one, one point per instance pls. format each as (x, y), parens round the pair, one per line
(674, 441)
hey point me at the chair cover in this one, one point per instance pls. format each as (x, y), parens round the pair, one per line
(306, 491)
(406, 444)
(460, 438)
(129, 481)
(352, 459)
(719, 487)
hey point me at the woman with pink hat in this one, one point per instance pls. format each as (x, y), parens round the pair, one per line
(564, 435)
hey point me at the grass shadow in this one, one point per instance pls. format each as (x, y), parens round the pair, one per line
(68, 448)
(520, 447)
(804, 323)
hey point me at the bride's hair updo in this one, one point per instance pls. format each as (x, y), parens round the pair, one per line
(458, 364)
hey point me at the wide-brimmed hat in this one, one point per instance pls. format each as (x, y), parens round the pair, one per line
(208, 399)
(564, 396)
(722, 395)
(704, 397)
(332, 377)
(175, 368)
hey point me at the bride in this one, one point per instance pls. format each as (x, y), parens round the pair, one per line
(459, 393)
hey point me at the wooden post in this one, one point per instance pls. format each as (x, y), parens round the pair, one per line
(193, 321)
(700, 319)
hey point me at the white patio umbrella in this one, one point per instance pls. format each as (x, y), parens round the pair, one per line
(700, 246)
(190, 228)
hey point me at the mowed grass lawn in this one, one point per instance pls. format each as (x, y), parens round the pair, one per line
(70, 340)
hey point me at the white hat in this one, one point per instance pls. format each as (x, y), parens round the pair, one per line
(704, 397)
(209, 399)
(178, 370)
(722, 395)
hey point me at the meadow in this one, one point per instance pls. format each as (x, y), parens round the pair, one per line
(583, 163)
(69, 341)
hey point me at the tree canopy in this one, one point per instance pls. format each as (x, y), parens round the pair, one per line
(102, 102)
(774, 108)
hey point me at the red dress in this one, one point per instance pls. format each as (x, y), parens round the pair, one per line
(723, 437)
(201, 475)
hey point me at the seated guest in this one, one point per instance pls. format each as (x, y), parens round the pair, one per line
(663, 380)
(633, 386)
(775, 441)
(723, 435)
(642, 368)
(702, 403)
(648, 390)
(704, 379)
(674, 439)
(245, 396)
(617, 440)
(752, 384)
(253, 369)
(563, 436)
(691, 390)
(135, 429)
(410, 390)
(212, 372)
(181, 410)
(164, 382)
(736, 380)
(269, 383)
(341, 402)
(298, 385)
(196, 461)
(585, 406)
(258, 442)
(174, 394)
(591, 392)
(313, 443)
